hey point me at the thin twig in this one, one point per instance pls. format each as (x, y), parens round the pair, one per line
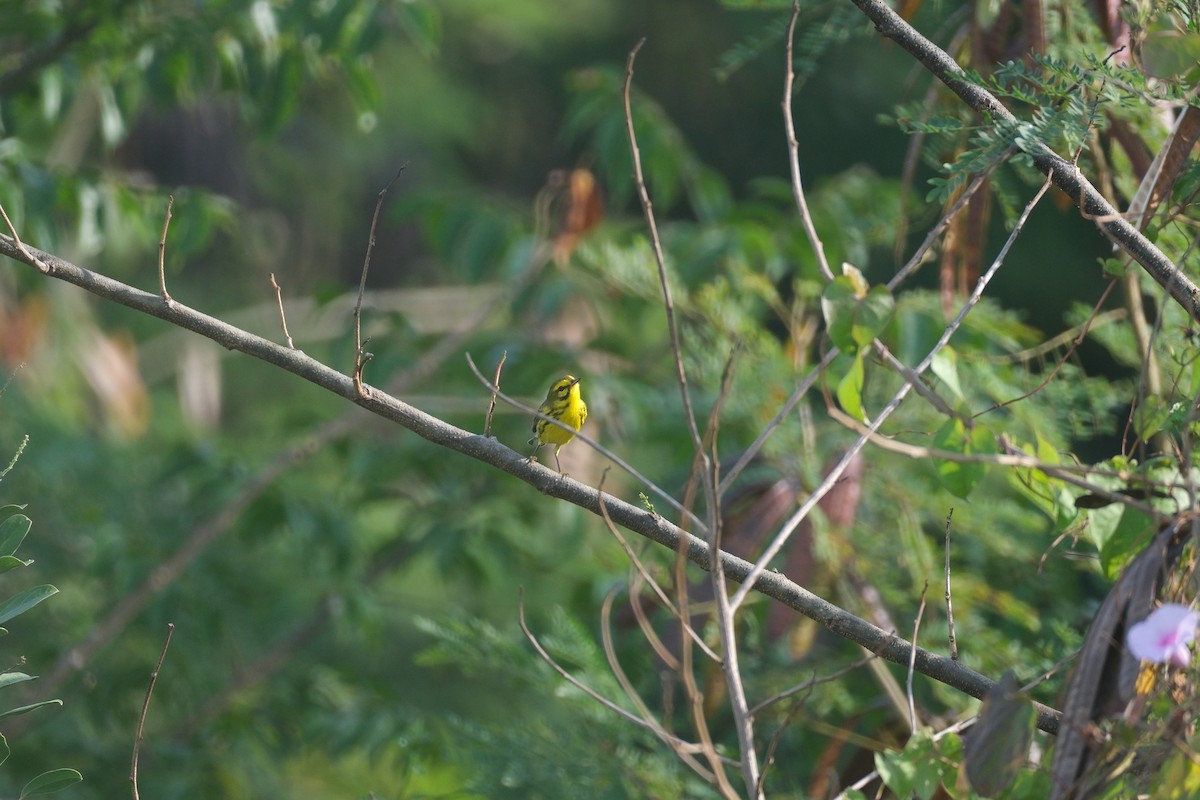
(162, 251)
(656, 243)
(30, 258)
(949, 601)
(687, 676)
(743, 720)
(645, 573)
(1083, 332)
(361, 358)
(835, 473)
(487, 423)
(11, 376)
(912, 667)
(614, 664)
(811, 682)
(137, 740)
(789, 126)
(282, 317)
(667, 738)
(664, 654)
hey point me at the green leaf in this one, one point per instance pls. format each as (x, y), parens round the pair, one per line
(12, 562)
(914, 771)
(50, 782)
(4, 751)
(855, 315)
(14, 712)
(945, 367)
(959, 478)
(12, 532)
(838, 304)
(9, 678)
(850, 389)
(873, 314)
(1124, 540)
(19, 604)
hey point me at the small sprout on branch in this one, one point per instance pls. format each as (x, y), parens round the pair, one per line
(30, 257)
(282, 316)
(361, 358)
(162, 249)
(487, 423)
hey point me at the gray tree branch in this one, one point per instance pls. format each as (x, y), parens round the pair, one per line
(491, 451)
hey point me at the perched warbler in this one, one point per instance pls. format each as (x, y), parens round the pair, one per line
(563, 403)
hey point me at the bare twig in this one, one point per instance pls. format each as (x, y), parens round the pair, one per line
(137, 740)
(811, 682)
(11, 375)
(282, 316)
(361, 358)
(649, 579)
(704, 466)
(691, 691)
(685, 754)
(671, 741)
(656, 243)
(789, 126)
(162, 251)
(27, 256)
(908, 687)
(949, 601)
(487, 423)
(1083, 332)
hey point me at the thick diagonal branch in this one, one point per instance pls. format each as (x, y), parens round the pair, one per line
(1065, 174)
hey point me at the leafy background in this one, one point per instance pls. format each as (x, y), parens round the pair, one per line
(351, 629)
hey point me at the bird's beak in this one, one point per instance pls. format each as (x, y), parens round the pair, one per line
(574, 382)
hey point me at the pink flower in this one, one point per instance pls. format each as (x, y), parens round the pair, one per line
(1165, 635)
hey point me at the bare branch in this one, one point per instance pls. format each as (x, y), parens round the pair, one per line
(908, 686)
(949, 600)
(282, 316)
(794, 151)
(489, 451)
(162, 251)
(24, 253)
(361, 358)
(487, 422)
(137, 740)
(656, 243)
(671, 741)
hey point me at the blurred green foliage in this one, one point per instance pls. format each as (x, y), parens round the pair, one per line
(347, 625)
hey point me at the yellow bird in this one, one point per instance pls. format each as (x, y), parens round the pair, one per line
(563, 403)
